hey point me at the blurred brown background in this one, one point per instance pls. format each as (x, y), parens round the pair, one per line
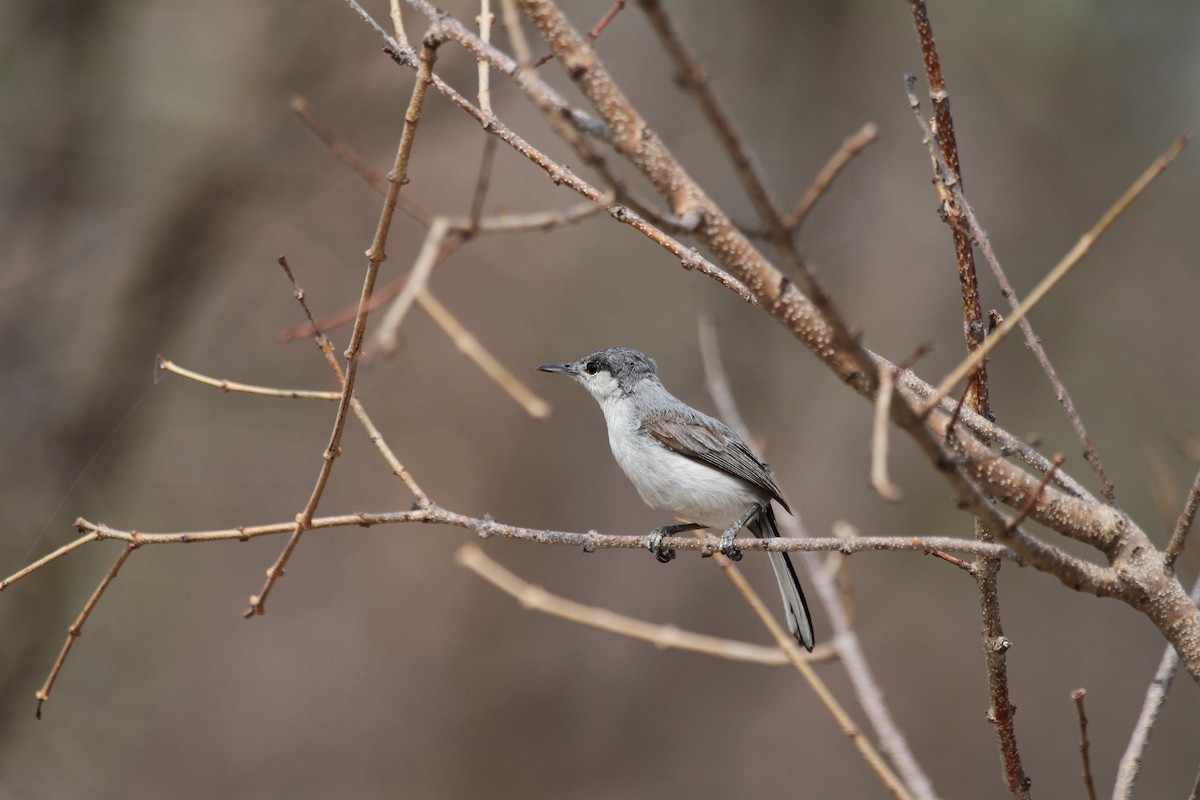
(152, 173)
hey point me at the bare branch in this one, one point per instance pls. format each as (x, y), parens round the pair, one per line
(469, 345)
(788, 645)
(326, 348)
(943, 130)
(879, 441)
(245, 388)
(1084, 754)
(1156, 698)
(851, 146)
(1183, 526)
(375, 256)
(76, 628)
(1056, 274)
(663, 637)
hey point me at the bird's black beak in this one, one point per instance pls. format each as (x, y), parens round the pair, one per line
(565, 369)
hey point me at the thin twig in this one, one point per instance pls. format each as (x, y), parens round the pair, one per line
(715, 379)
(1183, 526)
(966, 566)
(694, 78)
(1084, 747)
(879, 440)
(851, 146)
(398, 23)
(76, 628)
(1056, 274)
(594, 33)
(1031, 501)
(486, 528)
(46, 559)
(976, 396)
(788, 645)
(469, 345)
(245, 388)
(664, 637)
(326, 348)
(386, 338)
(351, 159)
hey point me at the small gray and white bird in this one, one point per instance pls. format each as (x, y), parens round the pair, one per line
(686, 463)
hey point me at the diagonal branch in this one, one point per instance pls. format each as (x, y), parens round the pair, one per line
(76, 628)
(375, 256)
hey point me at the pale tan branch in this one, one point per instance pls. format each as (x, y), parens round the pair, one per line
(245, 388)
(387, 336)
(879, 440)
(788, 645)
(76, 628)
(664, 637)
(469, 345)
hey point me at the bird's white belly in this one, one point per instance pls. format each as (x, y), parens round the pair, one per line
(674, 483)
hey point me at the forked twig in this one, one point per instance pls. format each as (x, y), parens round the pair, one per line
(326, 348)
(375, 256)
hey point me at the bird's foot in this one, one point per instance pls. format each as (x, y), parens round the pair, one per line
(654, 543)
(726, 548)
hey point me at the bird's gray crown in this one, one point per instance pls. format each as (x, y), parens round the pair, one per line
(626, 365)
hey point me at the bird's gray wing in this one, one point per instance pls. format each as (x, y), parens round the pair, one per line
(710, 442)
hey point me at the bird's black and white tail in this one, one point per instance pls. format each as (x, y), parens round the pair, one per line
(799, 621)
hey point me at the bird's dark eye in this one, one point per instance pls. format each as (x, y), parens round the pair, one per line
(592, 367)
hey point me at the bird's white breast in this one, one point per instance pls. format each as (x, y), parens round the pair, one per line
(671, 482)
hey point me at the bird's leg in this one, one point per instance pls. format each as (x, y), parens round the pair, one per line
(727, 548)
(654, 540)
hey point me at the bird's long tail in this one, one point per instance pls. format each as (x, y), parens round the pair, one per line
(799, 621)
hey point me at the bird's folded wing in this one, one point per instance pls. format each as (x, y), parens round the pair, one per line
(718, 447)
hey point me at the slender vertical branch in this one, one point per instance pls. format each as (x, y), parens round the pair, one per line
(879, 439)
(1084, 746)
(943, 129)
(986, 570)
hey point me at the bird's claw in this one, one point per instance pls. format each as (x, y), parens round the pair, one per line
(654, 544)
(727, 549)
